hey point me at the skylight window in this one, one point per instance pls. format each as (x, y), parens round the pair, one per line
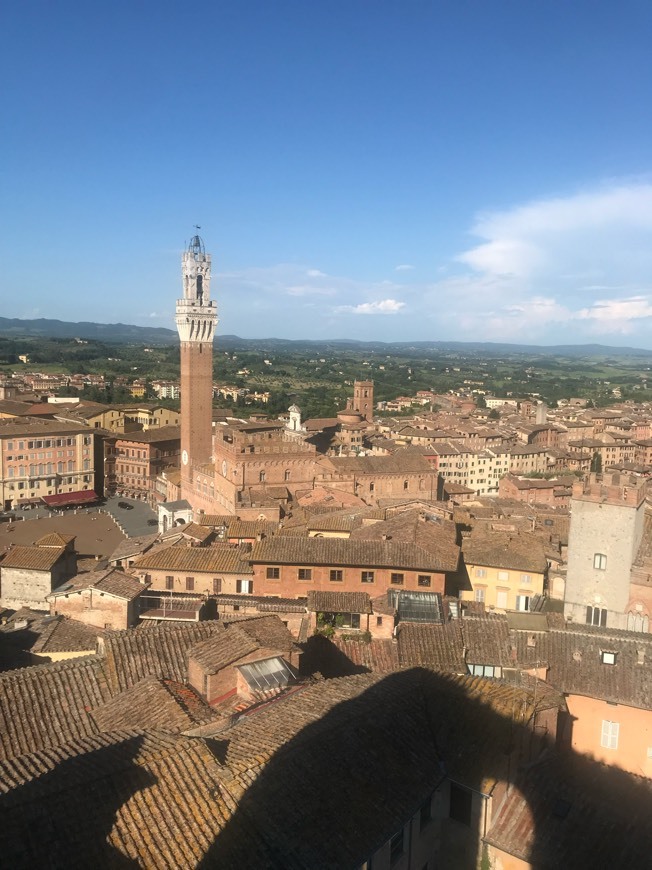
(267, 674)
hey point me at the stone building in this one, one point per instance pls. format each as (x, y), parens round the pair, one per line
(606, 531)
(106, 599)
(29, 574)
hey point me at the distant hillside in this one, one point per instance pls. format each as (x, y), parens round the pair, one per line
(118, 332)
(122, 332)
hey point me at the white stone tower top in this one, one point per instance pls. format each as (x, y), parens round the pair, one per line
(196, 312)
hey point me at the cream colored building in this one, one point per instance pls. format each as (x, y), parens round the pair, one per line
(505, 570)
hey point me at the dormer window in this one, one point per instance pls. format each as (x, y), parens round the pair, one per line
(607, 657)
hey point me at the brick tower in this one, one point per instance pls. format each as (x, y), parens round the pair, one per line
(363, 399)
(196, 319)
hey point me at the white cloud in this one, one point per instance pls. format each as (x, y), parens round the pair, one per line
(315, 273)
(404, 267)
(582, 262)
(382, 306)
(617, 315)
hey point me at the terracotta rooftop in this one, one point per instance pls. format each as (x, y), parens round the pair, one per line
(218, 559)
(133, 546)
(110, 580)
(267, 629)
(505, 550)
(153, 703)
(432, 646)
(223, 649)
(339, 551)
(338, 602)
(152, 435)
(377, 656)
(45, 705)
(32, 558)
(54, 539)
(157, 651)
(436, 535)
(404, 461)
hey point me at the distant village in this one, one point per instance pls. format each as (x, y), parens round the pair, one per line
(362, 641)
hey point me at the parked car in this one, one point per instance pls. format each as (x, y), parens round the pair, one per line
(152, 522)
(125, 506)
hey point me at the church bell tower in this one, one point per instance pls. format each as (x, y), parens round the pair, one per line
(196, 318)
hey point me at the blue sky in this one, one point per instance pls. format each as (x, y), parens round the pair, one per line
(378, 170)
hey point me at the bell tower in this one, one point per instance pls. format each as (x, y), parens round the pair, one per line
(196, 318)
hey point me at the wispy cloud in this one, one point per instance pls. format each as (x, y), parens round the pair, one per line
(381, 306)
(569, 267)
(582, 261)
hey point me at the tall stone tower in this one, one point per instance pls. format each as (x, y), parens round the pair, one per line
(607, 518)
(196, 319)
(363, 399)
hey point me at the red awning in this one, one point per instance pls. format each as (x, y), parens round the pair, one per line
(63, 499)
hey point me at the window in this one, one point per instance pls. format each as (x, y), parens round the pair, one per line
(526, 579)
(608, 657)
(461, 800)
(305, 573)
(423, 580)
(479, 593)
(396, 579)
(503, 575)
(190, 584)
(379, 621)
(246, 587)
(522, 602)
(217, 585)
(501, 599)
(480, 572)
(371, 487)
(169, 582)
(600, 561)
(273, 573)
(367, 577)
(336, 575)
(287, 475)
(405, 484)
(261, 477)
(596, 616)
(491, 671)
(609, 738)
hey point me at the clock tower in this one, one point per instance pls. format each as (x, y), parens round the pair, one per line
(196, 317)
